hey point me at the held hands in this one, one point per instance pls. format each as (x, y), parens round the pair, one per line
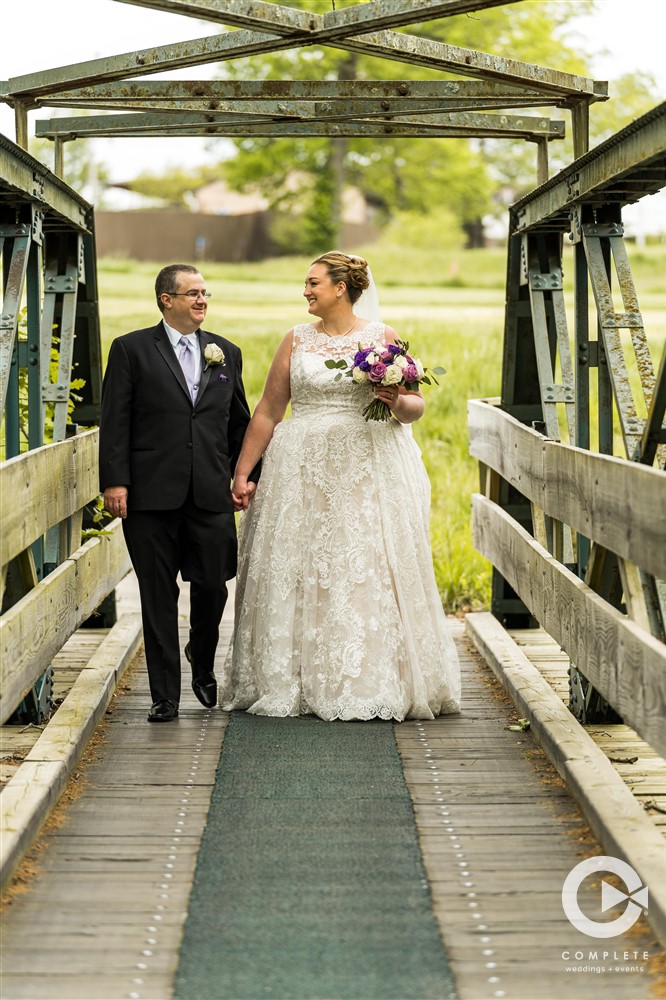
(242, 492)
(115, 500)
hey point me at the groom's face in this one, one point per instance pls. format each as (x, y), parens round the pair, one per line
(185, 309)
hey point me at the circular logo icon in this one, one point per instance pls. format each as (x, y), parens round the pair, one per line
(636, 897)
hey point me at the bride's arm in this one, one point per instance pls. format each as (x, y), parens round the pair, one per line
(270, 411)
(405, 406)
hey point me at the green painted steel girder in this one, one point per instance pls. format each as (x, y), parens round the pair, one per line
(621, 170)
(26, 179)
(500, 126)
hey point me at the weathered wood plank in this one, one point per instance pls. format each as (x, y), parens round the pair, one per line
(46, 485)
(30, 794)
(518, 842)
(614, 814)
(617, 503)
(35, 628)
(625, 663)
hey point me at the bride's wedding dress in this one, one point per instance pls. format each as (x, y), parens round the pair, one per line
(337, 609)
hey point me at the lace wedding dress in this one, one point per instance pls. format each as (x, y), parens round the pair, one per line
(337, 609)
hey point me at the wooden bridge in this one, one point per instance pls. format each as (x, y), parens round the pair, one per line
(558, 752)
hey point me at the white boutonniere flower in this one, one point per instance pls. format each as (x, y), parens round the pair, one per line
(213, 355)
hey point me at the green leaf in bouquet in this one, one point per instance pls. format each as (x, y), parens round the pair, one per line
(439, 371)
(426, 380)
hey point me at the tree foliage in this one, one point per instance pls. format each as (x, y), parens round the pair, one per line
(406, 175)
(303, 177)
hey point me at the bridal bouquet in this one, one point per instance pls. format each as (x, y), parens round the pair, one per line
(384, 364)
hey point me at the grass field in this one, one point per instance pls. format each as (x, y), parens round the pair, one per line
(449, 307)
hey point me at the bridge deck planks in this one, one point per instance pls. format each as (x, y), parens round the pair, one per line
(103, 895)
(488, 798)
(646, 777)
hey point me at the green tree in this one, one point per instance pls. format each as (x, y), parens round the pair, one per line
(406, 174)
(173, 187)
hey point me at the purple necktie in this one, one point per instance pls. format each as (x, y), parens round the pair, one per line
(188, 364)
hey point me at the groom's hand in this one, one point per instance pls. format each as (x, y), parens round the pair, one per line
(242, 492)
(115, 500)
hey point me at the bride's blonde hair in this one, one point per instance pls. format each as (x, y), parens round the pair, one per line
(348, 268)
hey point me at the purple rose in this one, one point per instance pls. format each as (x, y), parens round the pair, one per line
(376, 373)
(360, 357)
(410, 373)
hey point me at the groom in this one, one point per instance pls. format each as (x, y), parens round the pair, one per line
(173, 417)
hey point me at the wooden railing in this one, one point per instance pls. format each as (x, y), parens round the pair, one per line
(43, 489)
(619, 506)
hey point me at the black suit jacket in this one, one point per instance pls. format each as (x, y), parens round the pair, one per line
(154, 440)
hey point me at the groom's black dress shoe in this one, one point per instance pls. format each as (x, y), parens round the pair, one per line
(205, 690)
(163, 711)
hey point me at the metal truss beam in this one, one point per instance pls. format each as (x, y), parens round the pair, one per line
(621, 170)
(489, 126)
(201, 91)
(307, 109)
(302, 99)
(273, 17)
(26, 179)
(234, 45)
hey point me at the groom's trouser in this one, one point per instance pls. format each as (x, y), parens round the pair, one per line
(201, 546)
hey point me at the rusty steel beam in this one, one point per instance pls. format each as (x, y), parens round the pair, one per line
(294, 90)
(214, 48)
(233, 45)
(452, 59)
(332, 110)
(260, 16)
(471, 124)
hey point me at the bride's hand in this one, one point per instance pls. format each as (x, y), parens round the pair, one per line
(388, 394)
(242, 492)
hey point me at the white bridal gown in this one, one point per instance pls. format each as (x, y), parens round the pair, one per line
(337, 609)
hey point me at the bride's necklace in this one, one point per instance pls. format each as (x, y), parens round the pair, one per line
(323, 326)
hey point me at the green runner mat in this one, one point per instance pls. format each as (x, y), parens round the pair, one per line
(309, 882)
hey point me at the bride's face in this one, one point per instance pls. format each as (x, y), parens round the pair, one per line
(321, 294)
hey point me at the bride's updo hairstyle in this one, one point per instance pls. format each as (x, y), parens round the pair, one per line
(352, 270)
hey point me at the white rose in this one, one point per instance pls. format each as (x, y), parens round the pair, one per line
(419, 367)
(358, 375)
(400, 360)
(392, 375)
(213, 354)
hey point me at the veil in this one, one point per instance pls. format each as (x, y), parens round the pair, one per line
(367, 305)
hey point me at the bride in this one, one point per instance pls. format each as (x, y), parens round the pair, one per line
(337, 609)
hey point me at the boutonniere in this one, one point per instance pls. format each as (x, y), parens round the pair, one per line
(213, 355)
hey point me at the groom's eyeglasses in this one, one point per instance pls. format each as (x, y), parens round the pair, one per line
(193, 296)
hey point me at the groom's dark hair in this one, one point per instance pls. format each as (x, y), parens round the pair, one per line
(167, 280)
